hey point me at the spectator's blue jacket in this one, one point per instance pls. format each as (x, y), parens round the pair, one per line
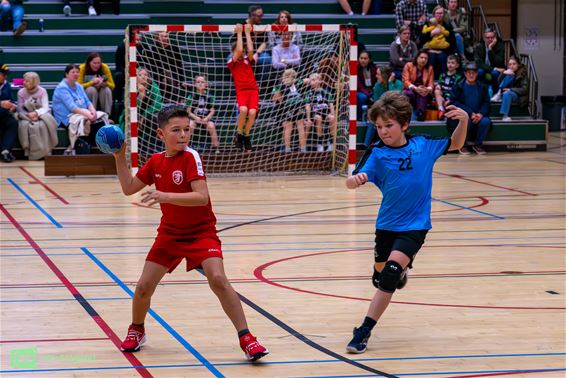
(472, 98)
(5, 94)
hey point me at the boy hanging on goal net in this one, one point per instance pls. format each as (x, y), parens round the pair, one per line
(247, 90)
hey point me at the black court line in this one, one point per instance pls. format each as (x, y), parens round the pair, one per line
(284, 325)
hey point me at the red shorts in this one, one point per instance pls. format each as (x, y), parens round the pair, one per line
(248, 98)
(169, 251)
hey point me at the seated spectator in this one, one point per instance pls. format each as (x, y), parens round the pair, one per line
(149, 103)
(458, 19)
(413, 14)
(284, 18)
(473, 97)
(442, 32)
(67, 10)
(286, 54)
(166, 68)
(259, 38)
(513, 87)
(200, 106)
(345, 4)
(97, 80)
(8, 124)
(13, 9)
(418, 83)
(320, 109)
(38, 129)
(489, 56)
(402, 51)
(446, 82)
(366, 81)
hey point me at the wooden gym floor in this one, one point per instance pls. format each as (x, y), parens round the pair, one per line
(486, 296)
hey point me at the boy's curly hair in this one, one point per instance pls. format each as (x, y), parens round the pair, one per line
(392, 105)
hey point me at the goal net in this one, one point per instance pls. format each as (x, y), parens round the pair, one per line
(306, 77)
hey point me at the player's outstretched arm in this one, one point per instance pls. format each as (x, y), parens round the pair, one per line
(459, 135)
(249, 42)
(239, 50)
(198, 197)
(130, 184)
(356, 181)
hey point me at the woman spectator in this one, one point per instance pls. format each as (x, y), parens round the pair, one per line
(438, 57)
(402, 50)
(96, 78)
(150, 102)
(458, 19)
(418, 83)
(366, 81)
(8, 124)
(286, 54)
(283, 19)
(37, 130)
(513, 87)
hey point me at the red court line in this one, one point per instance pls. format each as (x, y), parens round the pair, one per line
(51, 340)
(77, 295)
(45, 186)
(485, 183)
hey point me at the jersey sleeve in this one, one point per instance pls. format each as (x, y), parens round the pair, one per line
(189, 101)
(437, 146)
(145, 174)
(370, 165)
(211, 101)
(195, 168)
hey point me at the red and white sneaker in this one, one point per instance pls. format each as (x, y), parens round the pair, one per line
(134, 340)
(252, 348)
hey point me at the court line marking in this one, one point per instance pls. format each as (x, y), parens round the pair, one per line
(477, 373)
(58, 300)
(468, 208)
(461, 177)
(156, 316)
(75, 293)
(41, 209)
(53, 340)
(45, 186)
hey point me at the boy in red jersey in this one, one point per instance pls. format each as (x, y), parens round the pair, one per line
(247, 91)
(187, 229)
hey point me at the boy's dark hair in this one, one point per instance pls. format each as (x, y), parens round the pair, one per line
(166, 114)
(253, 8)
(392, 105)
(456, 58)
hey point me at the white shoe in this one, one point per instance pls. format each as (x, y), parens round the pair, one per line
(506, 119)
(67, 10)
(496, 97)
(330, 147)
(92, 11)
(319, 148)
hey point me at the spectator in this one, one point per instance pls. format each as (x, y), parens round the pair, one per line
(115, 6)
(15, 10)
(402, 51)
(457, 18)
(366, 81)
(413, 14)
(37, 129)
(67, 10)
(438, 41)
(291, 108)
(345, 4)
(167, 67)
(8, 124)
(97, 80)
(149, 103)
(418, 83)
(284, 18)
(320, 108)
(472, 96)
(489, 56)
(438, 54)
(286, 54)
(259, 38)
(200, 107)
(513, 87)
(446, 82)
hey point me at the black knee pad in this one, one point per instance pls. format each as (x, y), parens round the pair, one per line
(375, 278)
(390, 276)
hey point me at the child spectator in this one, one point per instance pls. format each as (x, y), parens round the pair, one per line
(37, 130)
(402, 51)
(366, 81)
(438, 41)
(96, 78)
(401, 167)
(8, 124)
(446, 83)
(247, 91)
(149, 103)
(513, 87)
(187, 230)
(200, 107)
(286, 54)
(418, 83)
(291, 108)
(320, 108)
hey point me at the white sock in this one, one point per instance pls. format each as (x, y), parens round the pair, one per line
(351, 13)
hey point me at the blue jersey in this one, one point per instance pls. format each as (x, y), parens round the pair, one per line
(404, 176)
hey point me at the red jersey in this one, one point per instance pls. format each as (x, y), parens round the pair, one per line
(243, 74)
(174, 175)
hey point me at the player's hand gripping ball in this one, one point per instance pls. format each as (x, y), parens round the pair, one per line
(109, 139)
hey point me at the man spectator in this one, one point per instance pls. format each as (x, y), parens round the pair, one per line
(259, 38)
(8, 124)
(489, 55)
(413, 14)
(472, 96)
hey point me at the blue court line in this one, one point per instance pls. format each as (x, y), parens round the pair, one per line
(158, 318)
(19, 189)
(60, 300)
(468, 208)
(542, 370)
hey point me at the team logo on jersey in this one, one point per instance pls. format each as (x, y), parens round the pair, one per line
(177, 177)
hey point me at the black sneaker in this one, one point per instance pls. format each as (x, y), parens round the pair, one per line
(239, 141)
(7, 157)
(359, 342)
(247, 143)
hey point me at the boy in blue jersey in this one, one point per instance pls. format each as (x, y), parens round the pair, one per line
(400, 165)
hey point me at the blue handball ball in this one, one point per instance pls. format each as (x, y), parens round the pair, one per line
(109, 139)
